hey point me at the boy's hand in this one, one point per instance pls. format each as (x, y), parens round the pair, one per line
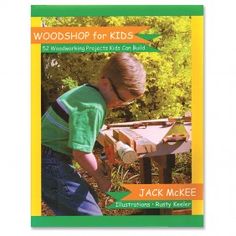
(104, 184)
(103, 181)
(105, 168)
(89, 163)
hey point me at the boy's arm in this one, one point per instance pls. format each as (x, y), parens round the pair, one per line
(89, 163)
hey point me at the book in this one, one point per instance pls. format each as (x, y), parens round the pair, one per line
(117, 116)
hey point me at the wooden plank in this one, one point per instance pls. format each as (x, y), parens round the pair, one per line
(125, 138)
(145, 170)
(115, 134)
(166, 163)
(155, 134)
(110, 149)
(138, 124)
(140, 144)
(146, 178)
(163, 149)
(110, 139)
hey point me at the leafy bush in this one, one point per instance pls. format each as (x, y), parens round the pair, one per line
(168, 88)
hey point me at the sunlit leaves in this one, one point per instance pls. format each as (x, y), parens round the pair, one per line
(168, 88)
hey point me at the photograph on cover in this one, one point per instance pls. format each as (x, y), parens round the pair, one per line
(74, 84)
(117, 107)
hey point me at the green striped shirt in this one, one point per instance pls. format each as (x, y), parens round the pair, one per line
(86, 109)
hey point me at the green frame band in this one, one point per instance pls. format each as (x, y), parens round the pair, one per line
(118, 221)
(115, 10)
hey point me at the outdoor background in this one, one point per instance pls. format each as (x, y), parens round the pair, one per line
(168, 90)
(168, 87)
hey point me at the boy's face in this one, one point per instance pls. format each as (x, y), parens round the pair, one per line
(119, 97)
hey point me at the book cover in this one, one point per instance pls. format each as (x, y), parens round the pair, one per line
(117, 116)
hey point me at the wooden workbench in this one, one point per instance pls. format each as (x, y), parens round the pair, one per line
(147, 142)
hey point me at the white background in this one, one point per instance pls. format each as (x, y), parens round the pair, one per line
(220, 126)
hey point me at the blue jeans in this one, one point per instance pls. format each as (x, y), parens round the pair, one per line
(63, 189)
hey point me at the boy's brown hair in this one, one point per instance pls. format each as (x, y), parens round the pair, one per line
(126, 72)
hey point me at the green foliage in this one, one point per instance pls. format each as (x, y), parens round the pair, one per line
(182, 171)
(168, 88)
(121, 175)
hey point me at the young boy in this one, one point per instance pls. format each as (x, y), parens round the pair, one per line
(69, 130)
